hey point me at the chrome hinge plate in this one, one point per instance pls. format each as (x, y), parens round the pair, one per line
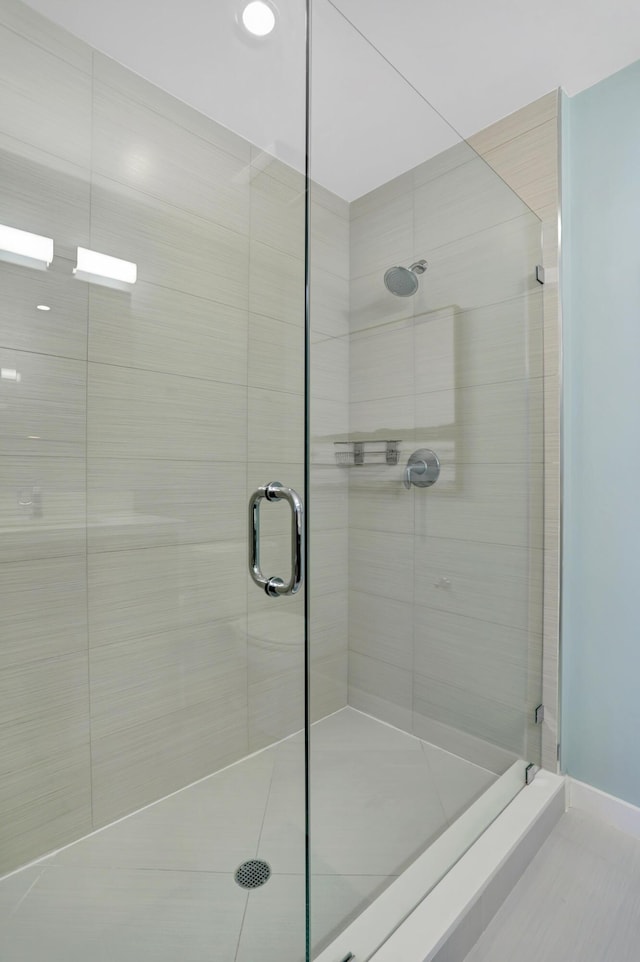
(530, 773)
(546, 275)
(539, 715)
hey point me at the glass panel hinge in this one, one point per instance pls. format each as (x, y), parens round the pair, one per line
(538, 715)
(546, 275)
(530, 773)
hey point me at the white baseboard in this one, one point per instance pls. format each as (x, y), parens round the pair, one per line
(610, 809)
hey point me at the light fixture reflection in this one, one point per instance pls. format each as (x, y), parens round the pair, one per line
(96, 268)
(10, 374)
(42, 307)
(25, 249)
(258, 18)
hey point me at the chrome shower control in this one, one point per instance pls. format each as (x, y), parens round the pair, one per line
(422, 470)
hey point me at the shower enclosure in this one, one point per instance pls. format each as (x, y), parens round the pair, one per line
(318, 308)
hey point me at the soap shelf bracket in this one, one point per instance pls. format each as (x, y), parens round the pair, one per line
(356, 453)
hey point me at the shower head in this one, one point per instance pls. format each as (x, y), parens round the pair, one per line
(403, 281)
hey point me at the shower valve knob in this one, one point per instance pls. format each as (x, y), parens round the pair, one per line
(422, 470)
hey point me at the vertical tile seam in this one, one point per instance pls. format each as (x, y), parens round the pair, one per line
(413, 490)
(247, 450)
(86, 458)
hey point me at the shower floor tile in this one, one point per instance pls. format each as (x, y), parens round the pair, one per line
(159, 884)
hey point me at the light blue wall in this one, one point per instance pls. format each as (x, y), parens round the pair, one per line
(601, 300)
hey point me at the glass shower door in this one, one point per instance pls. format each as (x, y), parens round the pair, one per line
(153, 698)
(426, 479)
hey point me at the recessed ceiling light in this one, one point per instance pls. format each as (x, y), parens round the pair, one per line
(42, 307)
(258, 18)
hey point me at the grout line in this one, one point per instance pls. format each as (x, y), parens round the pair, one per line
(16, 908)
(241, 926)
(56, 357)
(370, 330)
(168, 374)
(56, 866)
(266, 804)
(140, 101)
(57, 30)
(86, 462)
(421, 740)
(248, 466)
(413, 431)
(465, 237)
(538, 379)
(445, 814)
(484, 152)
(257, 849)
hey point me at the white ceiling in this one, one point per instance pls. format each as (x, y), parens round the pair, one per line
(472, 62)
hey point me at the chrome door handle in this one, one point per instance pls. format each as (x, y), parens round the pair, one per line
(276, 586)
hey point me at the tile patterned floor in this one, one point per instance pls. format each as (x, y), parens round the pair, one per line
(159, 886)
(578, 901)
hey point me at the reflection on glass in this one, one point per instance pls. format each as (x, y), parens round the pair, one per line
(259, 18)
(443, 581)
(22, 247)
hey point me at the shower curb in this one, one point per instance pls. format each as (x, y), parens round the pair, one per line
(448, 923)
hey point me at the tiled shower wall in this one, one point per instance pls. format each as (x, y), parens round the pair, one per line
(445, 624)
(134, 656)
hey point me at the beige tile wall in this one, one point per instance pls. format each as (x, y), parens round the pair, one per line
(166, 440)
(134, 656)
(446, 583)
(45, 145)
(276, 451)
